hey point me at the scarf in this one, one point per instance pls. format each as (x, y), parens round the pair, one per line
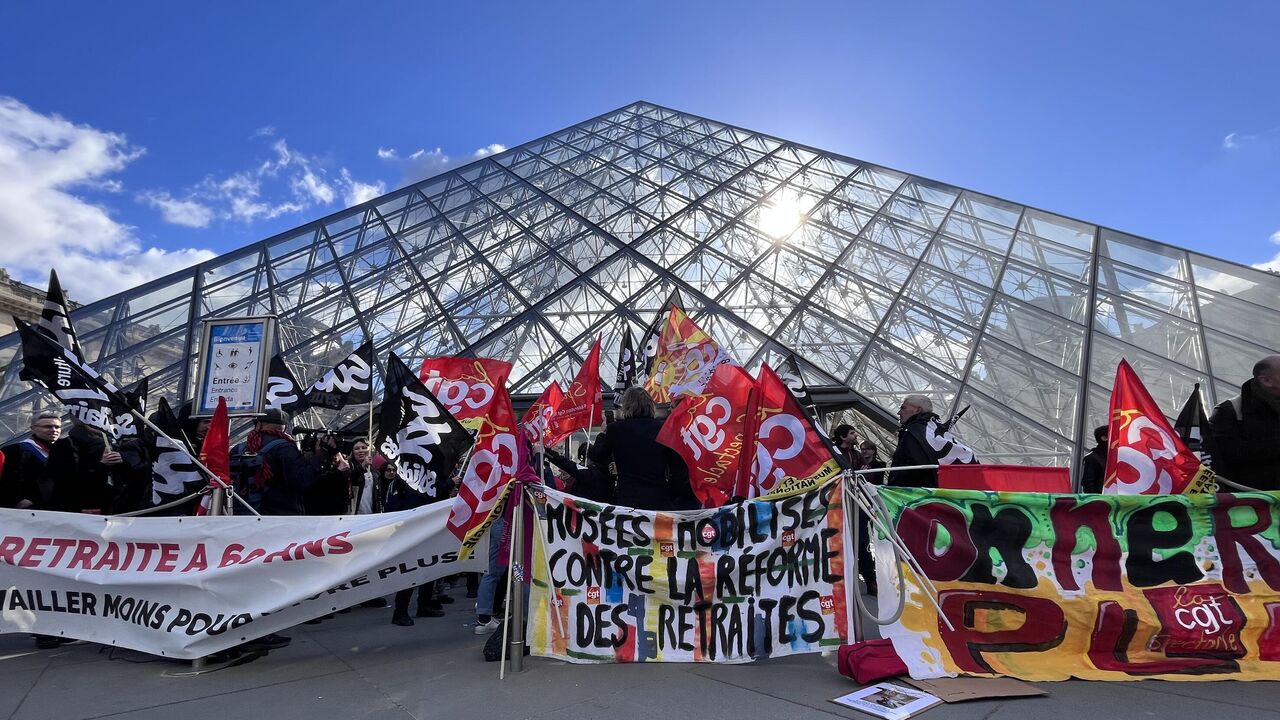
(253, 444)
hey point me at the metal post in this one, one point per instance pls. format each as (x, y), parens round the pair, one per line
(517, 595)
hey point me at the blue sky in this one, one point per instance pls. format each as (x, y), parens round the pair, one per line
(138, 137)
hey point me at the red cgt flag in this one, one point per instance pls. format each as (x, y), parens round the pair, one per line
(708, 429)
(582, 405)
(789, 454)
(215, 452)
(474, 390)
(538, 418)
(1144, 454)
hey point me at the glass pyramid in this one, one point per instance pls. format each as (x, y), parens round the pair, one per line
(881, 282)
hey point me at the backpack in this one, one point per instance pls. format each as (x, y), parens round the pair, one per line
(244, 469)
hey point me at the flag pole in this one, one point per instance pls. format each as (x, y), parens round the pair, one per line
(217, 481)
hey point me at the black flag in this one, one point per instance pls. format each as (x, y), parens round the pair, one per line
(417, 433)
(350, 382)
(78, 397)
(283, 392)
(1192, 424)
(55, 318)
(628, 370)
(84, 393)
(650, 344)
(790, 374)
(124, 422)
(173, 471)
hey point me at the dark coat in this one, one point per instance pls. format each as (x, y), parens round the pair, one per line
(912, 450)
(330, 494)
(26, 477)
(1247, 449)
(1094, 470)
(589, 481)
(80, 480)
(651, 476)
(285, 492)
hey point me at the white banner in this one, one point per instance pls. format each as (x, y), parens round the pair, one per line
(187, 587)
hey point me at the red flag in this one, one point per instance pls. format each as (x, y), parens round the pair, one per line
(474, 390)
(466, 386)
(789, 454)
(582, 405)
(215, 452)
(685, 359)
(708, 430)
(1144, 454)
(538, 418)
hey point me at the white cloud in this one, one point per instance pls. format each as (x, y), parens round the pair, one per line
(1229, 142)
(387, 153)
(47, 163)
(425, 163)
(1272, 265)
(358, 192)
(492, 149)
(264, 131)
(178, 211)
(286, 182)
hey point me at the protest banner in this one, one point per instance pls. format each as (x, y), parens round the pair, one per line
(185, 589)
(732, 584)
(1114, 587)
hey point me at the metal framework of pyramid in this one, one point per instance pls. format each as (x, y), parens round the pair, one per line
(881, 282)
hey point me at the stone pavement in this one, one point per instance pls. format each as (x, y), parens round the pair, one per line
(360, 666)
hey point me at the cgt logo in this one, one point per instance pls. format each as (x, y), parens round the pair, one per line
(708, 534)
(457, 394)
(1199, 619)
(788, 538)
(828, 604)
(667, 549)
(706, 430)
(593, 595)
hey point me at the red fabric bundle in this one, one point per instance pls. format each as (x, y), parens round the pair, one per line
(870, 661)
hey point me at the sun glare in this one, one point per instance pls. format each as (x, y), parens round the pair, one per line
(780, 215)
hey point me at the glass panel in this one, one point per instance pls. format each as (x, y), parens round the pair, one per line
(923, 334)
(1035, 389)
(1162, 260)
(1255, 286)
(1065, 231)
(759, 302)
(1000, 437)
(1045, 291)
(1151, 330)
(1042, 334)
(853, 299)
(823, 341)
(1169, 384)
(1242, 319)
(1160, 292)
(948, 294)
(1232, 359)
(886, 375)
(1074, 264)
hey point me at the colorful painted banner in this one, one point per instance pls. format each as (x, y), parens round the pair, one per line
(185, 588)
(1099, 587)
(685, 359)
(733, 584)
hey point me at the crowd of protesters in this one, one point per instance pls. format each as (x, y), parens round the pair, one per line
(80, 469)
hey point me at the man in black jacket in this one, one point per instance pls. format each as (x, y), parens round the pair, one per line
(283, 474)
(84, 467)
(26, 483)
(1244, 432)
(915, 413)
(651, 476)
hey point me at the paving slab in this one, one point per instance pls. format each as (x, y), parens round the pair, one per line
(359, 665)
